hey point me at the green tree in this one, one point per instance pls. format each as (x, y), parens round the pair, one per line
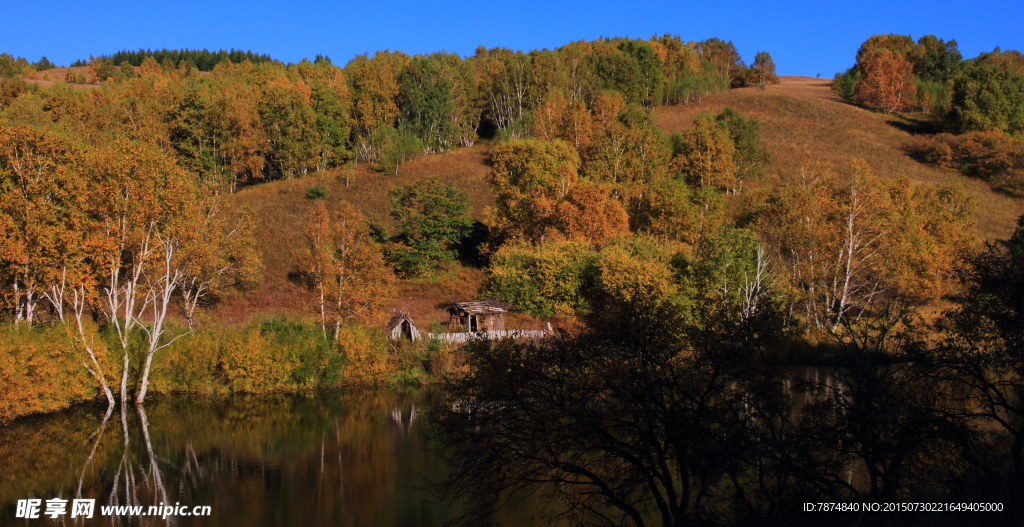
(44, 64)
(751, 154)
(987, 97)
(844, 84)
(392, 147)
(330, 101)
(619, 70)
(1010, 60)
(506, 79)
(290, 124)
(10, 66)
(705, 155)
(429, 219)
(935, 59)
(198, 132)
(650, 68)
(724, 58)
(550, 279)
(677, 213)
(426, 101)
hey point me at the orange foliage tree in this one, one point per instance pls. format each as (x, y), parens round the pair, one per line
(887, 82)
(42, 218)
(540, 195)
(591, 213)
(144, 203)
(119, 230)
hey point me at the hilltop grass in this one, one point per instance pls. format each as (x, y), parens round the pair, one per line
(801, 117)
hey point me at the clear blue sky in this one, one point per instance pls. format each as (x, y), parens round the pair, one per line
(804, 37)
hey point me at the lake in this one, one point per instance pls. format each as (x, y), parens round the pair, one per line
(337, 458)
(329, 458)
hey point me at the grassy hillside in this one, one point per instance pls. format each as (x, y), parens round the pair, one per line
(798, 117)
(802, 116)
(281, 208)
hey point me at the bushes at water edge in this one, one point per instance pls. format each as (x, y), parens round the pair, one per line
(41, 369)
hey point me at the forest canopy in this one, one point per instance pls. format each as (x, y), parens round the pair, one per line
(114, 173)
(203, 60)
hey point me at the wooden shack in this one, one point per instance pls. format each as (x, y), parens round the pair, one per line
(401, 326)
(484, 315)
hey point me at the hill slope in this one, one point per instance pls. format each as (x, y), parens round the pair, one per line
(281, 209)
(801, 117)
(798, 117)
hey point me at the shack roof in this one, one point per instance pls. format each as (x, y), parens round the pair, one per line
(485, 307)
(394, 327)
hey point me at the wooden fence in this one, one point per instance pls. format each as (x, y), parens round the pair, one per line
(451, 338)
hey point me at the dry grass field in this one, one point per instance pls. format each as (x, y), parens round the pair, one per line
(59, 75)
(281, 209)
(799, 117)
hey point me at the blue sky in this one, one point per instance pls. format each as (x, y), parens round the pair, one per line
(804, 38)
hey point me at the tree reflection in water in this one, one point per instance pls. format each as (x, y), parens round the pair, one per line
(661, 425)
(338, 459)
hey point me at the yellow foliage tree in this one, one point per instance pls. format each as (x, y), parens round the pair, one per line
(345, 269)
(548, 118)
(375, 91)
(705, 155)
(849, 242)
(530, 178)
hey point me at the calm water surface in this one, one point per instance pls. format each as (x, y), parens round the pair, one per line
(338, 459)
(321, 459)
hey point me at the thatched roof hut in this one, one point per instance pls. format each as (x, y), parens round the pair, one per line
(484, 315)
(401, 326)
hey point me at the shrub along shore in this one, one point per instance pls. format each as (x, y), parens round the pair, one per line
(42, 368)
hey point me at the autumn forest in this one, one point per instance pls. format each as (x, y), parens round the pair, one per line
(684, 224)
